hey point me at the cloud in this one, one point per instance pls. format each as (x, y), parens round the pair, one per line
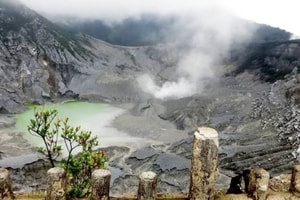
(267, 11)
(115, 9)
(204, 26)
(209, 36)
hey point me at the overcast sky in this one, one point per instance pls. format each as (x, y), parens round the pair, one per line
(279, 13)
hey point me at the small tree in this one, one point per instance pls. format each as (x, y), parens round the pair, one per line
(41, 126)
(78, 167)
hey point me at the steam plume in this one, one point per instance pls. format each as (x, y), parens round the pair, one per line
(209, 36)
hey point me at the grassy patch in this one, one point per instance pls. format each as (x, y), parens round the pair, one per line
(31, 196)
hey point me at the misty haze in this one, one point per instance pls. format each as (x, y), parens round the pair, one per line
(143, 76)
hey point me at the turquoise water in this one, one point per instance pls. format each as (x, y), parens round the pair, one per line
(75, 111)
(94, 117)
(90, 116)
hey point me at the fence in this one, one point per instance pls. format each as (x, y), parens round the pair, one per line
(202, 179)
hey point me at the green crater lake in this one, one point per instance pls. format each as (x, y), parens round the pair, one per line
(94, 117)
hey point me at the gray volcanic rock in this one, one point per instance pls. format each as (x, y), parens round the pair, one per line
(168, 162)
(6, 121)
(144, 153)
(174, 181)
(243, 110)
(40, 62)
(127, 183)
(18, 162)
(254, 104)
(30, 177)
(271, 61)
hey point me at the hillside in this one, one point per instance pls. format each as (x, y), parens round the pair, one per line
(252, 101)
(146, 30)
(46, 62)
(151, 30)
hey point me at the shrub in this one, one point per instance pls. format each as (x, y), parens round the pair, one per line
(78, 166)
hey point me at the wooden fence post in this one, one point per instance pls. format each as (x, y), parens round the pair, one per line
(5, 184)
(258, 183)
(204, 164)
(147, 186)
(56, 184)
(295, 180)
(100, 184)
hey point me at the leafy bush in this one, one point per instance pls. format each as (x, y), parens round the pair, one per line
(78, 166)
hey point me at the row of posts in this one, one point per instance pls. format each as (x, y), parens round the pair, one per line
(56, 180)
(203, 174)
(202, 181)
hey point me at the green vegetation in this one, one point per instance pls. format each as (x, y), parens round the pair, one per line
(78, 167)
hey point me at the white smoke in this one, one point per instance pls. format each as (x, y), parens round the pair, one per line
(181, 88)
(294, 37)
(205, 27)
(193, 68)
(209, 36)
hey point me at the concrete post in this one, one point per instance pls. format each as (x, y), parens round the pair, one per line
(204, 164)
(258, 183)
(147, 186)
(5, 184)
(100, 184)
(56, 184)
(295, 180)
